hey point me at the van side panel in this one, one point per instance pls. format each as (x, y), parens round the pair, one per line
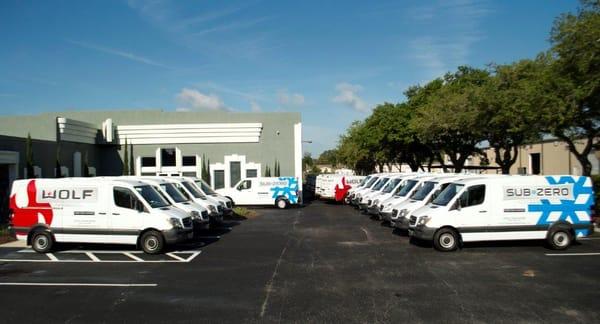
(27, 210)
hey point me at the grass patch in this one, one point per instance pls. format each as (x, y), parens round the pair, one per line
(245, 212)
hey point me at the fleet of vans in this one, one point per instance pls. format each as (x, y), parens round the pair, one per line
(336, 186)
(275, 191)
(450, 209)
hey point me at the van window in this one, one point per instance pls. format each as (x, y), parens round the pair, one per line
(380, 184)
(244, 185)
(365, 180)
(447, 194)
(152, 197)
(371, 182)
(124, 197)
(473, 196)
(173, 192)
(424, 190)
(205, 187)
(405, 188)
(182, 191)
(193, 190)
(391, 185)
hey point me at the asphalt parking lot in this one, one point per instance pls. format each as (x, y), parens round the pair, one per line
(320, 263)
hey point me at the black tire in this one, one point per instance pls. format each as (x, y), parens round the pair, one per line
(152, 242)
(445, 240)
(281, 203)
(232, 202)
(42, 241)
(559, 238)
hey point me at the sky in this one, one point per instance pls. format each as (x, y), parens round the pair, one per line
(332, 61)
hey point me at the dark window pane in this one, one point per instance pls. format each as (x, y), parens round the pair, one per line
(536, 165)
(235, 172)
(148, 161)
(124, 198)
(188, 174)
(473, 196)
(189, 160)
(219, 179)
(167, 157)
(251, 173)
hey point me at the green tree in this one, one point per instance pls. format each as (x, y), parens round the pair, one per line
(126, 159)
(307, 161)
(205, 169)
(267, 171)
(29, 157)
(572, 81)
(509, 113)
(353, 151)
(328, 157)
(450, 119)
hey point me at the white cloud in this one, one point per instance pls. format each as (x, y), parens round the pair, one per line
(192, 99)
(348, 95)
(255, 107)
(285, 98)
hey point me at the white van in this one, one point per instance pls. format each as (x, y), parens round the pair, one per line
(168, 188)
(277, 191)
(353, 191)
(357, 195)
(365, 197)
(225, 202)
(95, 210)
(397, 214)
(554, 208)
(338, 186)
(189, 188)
(376, 201)
(404, 190)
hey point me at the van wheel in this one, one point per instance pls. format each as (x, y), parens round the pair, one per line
(445, 240)
(42, 242)
(281, 203)
(152, 242)
(559, 239)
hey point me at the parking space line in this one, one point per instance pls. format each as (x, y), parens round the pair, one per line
(191, 257)
(92, 256)
(51, 257)
(176, 257)
(572, 254)
(71, 284)
(90, 261)
(133, 257)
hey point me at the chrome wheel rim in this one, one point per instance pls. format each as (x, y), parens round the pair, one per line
(561, 239)
(447, 240)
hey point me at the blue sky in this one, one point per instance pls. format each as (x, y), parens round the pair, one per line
(330, 60)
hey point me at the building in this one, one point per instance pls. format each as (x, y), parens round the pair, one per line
(550, 156)
(230, 145)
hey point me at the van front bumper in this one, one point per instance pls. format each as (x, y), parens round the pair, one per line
(176, 235)
(422, 232)
(216, 218)
(387, 216)
(373, 210)
(402, 223)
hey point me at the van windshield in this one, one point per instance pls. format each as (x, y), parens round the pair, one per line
(152, 196)
(391, 185)
(447, 194)
(424, 191)
(371, 182)
(380, 184)
(182, 191)
(405, 188)
(173, 192)
(205, 187)
(365, 180)
(192, 189)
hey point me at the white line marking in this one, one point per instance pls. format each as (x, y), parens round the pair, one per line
(51, 257)
(85, 251)
(92, 256)
(74, 284)
(176, 257)
(571, 254)
(193, 256)
(88, 261)
(133, 257)
(588, 238)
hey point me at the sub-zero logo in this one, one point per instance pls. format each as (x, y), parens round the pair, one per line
(559, 192)
(64, 195)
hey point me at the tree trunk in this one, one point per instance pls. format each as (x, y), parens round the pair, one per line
(505, 159)
(582, 157)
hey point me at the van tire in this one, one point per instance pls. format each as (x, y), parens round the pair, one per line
(152, 242)
(42, 241)
(446, 240)
(281, 203)
(559, 238)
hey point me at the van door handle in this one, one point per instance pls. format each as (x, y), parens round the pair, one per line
(101, 213)
(483, 211)
(116, 214)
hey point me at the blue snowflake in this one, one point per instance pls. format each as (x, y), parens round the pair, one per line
(289, 191)
(567, 208)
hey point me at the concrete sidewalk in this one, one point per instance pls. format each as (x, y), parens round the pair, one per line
(14, 244)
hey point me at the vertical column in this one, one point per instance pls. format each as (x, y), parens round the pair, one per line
(298, 155)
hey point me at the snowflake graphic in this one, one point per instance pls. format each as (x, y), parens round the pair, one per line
(289, 191)
(568, 208)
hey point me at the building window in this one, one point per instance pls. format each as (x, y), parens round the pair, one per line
(167, 157)
(188, 174)
(219, 179)
(235, 171)
(251, 173)
(189, 160)
(148, 174)
(148, 161)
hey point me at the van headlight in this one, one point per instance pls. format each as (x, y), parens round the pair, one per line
(175, 222)
(404, 213)
(376, 202)
(195, 214)
(212, 208)
(222, 204)
(423, 220)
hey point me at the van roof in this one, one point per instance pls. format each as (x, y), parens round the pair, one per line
(502, 179)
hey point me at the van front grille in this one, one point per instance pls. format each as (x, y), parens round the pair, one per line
(204, 214)
(187, 222)
(413, 220)
(220, 209)
(229, 204)
(395, 212)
